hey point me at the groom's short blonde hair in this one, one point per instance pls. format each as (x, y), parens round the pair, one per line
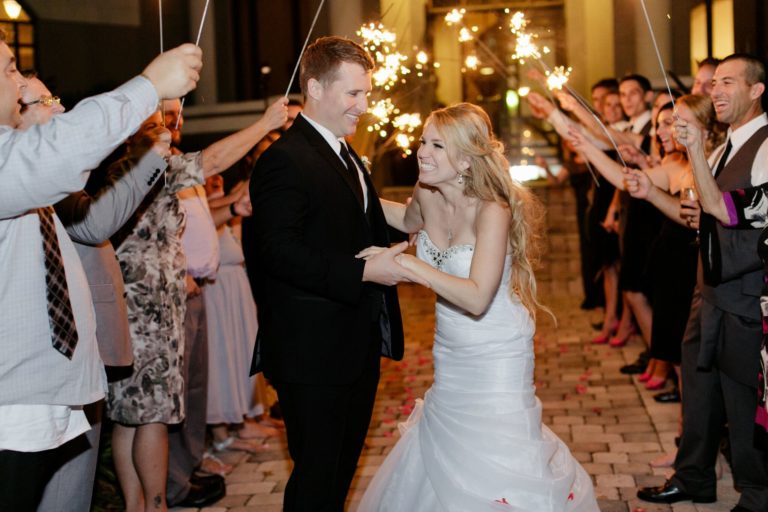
(323, 57)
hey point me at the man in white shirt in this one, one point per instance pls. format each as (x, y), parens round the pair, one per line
(45, 383)
(721, 346)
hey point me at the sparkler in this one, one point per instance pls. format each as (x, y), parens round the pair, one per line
(197, 43)
(160, 14)
(301, 54)
(407, 122)
(455, 16)
(557, 79)
(381, 43)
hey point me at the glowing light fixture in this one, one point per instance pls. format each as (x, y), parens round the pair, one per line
(12, 8)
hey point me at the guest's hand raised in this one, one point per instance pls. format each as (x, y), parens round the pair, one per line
(540, 106)
(638, 184)
(687, 133)
(174, 73)
(567, 102)
(152, 136)
(633, 155)
(576, 138)
(277, 113)
(382, 268)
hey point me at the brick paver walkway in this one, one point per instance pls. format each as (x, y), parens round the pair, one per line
(612, 425)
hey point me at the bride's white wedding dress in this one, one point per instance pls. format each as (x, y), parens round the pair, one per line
(476, 441)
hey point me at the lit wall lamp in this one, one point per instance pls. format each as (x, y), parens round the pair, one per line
(12, 8)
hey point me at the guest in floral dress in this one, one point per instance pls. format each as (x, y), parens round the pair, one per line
(154, 269)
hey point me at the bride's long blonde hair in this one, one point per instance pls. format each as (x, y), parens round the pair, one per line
(468, 133)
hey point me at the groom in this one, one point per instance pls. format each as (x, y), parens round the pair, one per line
(325, 317)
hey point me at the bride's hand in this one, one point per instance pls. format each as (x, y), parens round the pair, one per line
(370, 252)
(405, 260)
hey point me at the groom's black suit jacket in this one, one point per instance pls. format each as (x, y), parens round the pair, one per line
(317, 319)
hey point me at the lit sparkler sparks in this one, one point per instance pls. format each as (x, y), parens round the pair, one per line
(407, 122)
(517, 23)
(455, 16)
(465, 35)
(525, 48)
(403, 141)
(375, 36)
(557, 78)
(381, 111)
(381, 43)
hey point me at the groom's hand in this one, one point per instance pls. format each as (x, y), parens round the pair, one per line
(383, 269)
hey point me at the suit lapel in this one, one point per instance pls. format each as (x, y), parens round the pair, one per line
(321, 145)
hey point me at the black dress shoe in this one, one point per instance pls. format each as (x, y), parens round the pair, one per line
(203, 491)
(670, 493)
(739, 508)
(668, 397)
(638, 366)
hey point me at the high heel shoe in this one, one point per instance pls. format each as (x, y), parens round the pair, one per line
(645, 377)
(655, 383)
(602, 339)
(617, 342)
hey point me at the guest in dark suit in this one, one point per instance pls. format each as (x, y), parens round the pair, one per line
(325, 317)
(721, 347)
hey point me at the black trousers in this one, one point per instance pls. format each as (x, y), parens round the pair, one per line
(23, 477)
(710, 400)
(326, 428)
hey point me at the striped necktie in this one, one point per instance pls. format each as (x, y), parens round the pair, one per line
(60, 317)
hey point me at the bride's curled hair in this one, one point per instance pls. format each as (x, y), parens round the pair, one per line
(468, 133)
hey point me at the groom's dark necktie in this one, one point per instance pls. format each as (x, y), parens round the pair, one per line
(60, 317)
(354, 174)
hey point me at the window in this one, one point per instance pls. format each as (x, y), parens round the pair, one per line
(19, 33)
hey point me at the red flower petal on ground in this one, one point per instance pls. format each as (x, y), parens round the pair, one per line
(581, 389)
(503, 501)
(388, 433)
(570, 497)
(597, 410)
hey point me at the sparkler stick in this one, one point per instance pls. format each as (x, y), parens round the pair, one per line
(197, 43)
(160, 11)
(301, 54)
(656, 47)
(661, 65)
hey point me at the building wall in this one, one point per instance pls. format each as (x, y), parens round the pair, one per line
(89, 46)
(590, 42)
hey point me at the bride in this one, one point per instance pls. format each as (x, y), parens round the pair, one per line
(476, 441)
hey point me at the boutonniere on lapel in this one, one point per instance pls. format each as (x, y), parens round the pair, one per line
(366, 164)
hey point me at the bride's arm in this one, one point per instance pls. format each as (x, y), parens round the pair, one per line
(474, 293)
(405, 218)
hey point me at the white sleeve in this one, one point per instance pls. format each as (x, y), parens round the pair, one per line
(42, 165)
(760, 165)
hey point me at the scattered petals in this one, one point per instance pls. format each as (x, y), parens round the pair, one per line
(581, 389)
(503, 501)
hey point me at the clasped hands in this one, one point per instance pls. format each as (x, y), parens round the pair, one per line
(390, 265)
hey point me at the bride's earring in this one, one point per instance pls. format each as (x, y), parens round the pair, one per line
(460, 180)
